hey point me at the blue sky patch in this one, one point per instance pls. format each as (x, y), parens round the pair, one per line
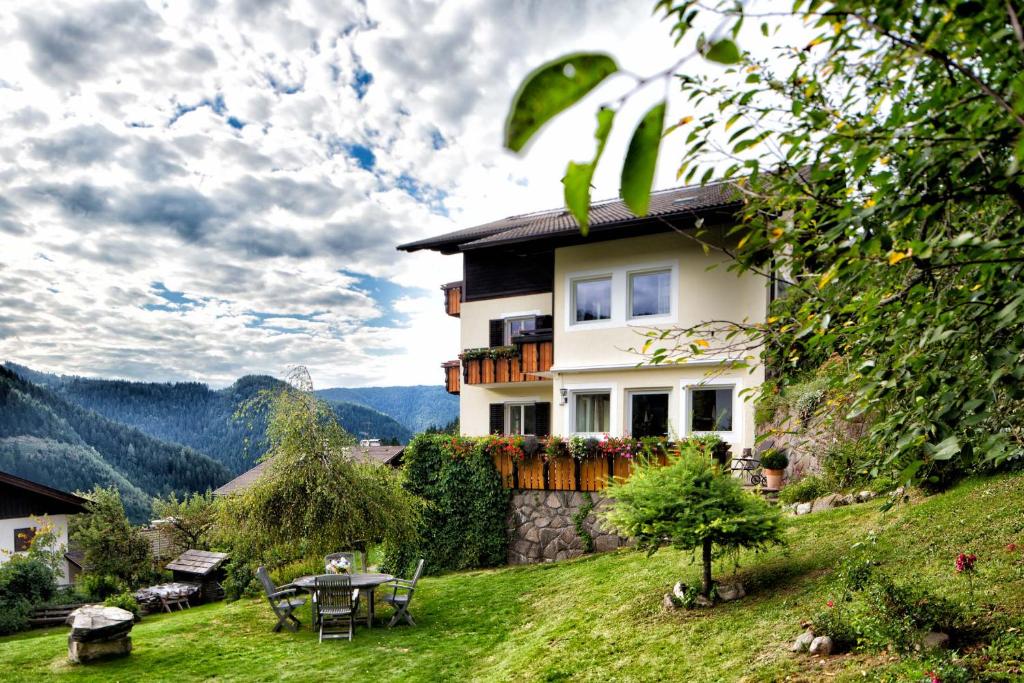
(176, 301)
(363, 156)
(361, 82)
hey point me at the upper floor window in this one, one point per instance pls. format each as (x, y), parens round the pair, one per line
(592, 412)
(592, 299)
(650, 293)
(516, 326)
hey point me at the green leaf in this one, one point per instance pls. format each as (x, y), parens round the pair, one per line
(946, 448)
(641, 159)
(724, 52)
(551, 88)
(578, 176)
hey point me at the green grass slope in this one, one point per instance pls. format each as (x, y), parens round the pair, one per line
(599, 617)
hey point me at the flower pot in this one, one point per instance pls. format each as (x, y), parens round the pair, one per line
(774, 478)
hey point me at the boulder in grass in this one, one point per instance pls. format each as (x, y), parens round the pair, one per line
(803, 642)
(98, 632)
(730, 591)
(822, 645)
(935, 640)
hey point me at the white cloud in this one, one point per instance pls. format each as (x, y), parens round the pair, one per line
(207, 146)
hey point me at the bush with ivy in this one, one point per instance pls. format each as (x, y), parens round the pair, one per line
(463, 525)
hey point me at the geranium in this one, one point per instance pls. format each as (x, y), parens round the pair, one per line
(458, 447)
(619, 447)
(510, 445)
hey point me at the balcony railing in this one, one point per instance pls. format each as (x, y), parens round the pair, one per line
(453, 298)
(452, 377)
(528, 355)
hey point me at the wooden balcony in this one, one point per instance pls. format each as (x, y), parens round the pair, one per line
(530, 357)
(562, 473)
(453, 298)
(451, 376)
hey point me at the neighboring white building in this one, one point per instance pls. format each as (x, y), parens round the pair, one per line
(562, 311)
(25, 506)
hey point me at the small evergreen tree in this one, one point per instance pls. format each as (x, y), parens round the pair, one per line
(111, 545)
(691, 504)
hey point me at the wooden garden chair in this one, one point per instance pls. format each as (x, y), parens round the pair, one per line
(400, 602)
(335, 606)
(282, 600)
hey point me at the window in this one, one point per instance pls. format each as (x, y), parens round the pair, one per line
(592, 299)
(592, 412)
(650, 293)
(521, 418)
(648, 414)
(516, 326)
(711, 409)
(23, 538)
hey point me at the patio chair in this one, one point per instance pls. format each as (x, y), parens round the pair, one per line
(282, 600)
(400, 602)
(335, 606)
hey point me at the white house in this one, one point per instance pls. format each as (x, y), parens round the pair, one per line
(24, 507)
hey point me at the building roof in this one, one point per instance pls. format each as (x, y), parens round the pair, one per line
(199, 562)
(386, 455)
(690, 201)
(57, 501)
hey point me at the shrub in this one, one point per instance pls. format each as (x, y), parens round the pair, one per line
(14, 614)
(831, 622)
(806, 489)
(112, 546)
(100, 586)
(125, 601)
(240, 581)
(463, 525)
(691, 504)
(28, 579)
(774, 460)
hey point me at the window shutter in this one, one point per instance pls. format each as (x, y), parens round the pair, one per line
(543, 322)
(497, 418)
(497, 333)
(543, 413)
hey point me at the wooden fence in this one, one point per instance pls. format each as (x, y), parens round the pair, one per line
(562, 473)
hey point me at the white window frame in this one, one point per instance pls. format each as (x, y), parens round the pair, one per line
(661, 391)
(620, 304)
(506, 324)
(673, 287)
(735, 435)
(610, 277)
(519, 405)
(570, 410)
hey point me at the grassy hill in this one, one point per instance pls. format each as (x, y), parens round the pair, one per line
(599, 617)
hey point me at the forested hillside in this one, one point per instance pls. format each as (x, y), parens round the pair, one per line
(207, 420)
(417, 407)
(48, 439)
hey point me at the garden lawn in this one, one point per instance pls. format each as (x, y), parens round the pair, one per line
(600, 617)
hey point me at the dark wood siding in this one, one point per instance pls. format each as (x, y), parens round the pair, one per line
(496, 273)
(497, 418)
(543, 413)
(16, 502)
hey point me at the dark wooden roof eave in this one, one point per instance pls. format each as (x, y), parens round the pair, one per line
(43, 490)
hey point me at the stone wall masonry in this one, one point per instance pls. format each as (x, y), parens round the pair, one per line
(541, 528)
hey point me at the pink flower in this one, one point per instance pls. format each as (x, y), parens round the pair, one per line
(1011, 547)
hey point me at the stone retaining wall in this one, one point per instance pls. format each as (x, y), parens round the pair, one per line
(541, 528)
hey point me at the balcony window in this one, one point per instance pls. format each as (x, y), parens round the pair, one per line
(592, 299)
(592, 412)
(711, 409)
(521, 418)
(648, 413)
(650, 293)
(516, 326)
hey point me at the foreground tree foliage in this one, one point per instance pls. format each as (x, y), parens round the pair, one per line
(691, 504)
(876, 164)
(190, 519)
(111, 545)
(312, 498)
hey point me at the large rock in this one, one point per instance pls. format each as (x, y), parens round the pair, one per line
(98, 632)
(822, 645)
(803, 642)
(728, 592)
(935, 641)
(803, 509)
(95, 623)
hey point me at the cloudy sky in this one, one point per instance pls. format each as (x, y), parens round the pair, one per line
(202, 189)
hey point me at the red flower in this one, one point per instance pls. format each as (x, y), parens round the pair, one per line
(965, 562)
(1011, 546)
(831, 603)
(933, 677)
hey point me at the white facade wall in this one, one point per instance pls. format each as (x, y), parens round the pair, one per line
(60, 528)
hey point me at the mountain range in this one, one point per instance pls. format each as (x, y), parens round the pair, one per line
(150, 439)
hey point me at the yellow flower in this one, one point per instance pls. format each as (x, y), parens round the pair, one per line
(897, 256)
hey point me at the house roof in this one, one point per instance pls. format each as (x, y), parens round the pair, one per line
(199, 562)
(59, 501)
(386, 455)
(688, 201)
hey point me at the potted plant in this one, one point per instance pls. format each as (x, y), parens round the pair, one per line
(774, 463)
